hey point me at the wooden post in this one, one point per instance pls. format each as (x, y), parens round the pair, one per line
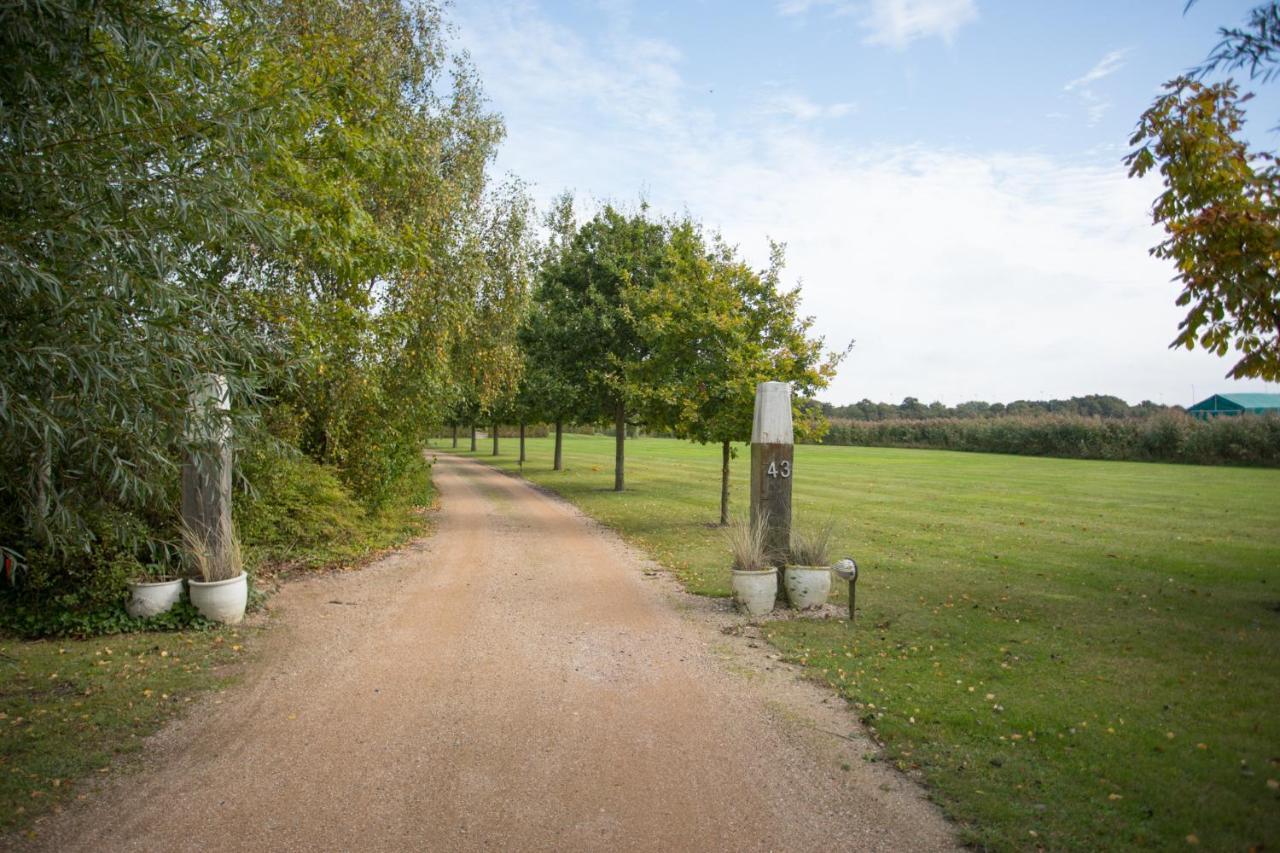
(522, 442)
(206, 472)
(726, 453)
(771, 459)
(495, 438)
(558, 464)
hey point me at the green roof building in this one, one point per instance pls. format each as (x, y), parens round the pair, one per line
(1230, 405)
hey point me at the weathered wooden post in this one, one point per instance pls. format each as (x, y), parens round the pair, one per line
(772, 448)
(206, 472)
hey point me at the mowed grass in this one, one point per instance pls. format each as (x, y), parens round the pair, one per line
(1075, 655)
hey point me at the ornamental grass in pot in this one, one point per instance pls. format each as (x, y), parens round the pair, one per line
(754, 580)
(222, 592)
(807, 578)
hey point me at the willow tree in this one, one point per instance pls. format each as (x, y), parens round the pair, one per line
(128, 137)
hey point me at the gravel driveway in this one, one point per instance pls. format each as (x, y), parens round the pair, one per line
(521, 680)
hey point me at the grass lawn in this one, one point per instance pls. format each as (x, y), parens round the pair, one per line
(1075, 654)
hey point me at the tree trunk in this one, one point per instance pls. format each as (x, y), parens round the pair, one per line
(559, 458)
(522, 442)
(495, 439)
(455, 436)
(473, 438)
(619, 452)
(724, 485)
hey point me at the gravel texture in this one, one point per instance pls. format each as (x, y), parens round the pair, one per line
(522, 680)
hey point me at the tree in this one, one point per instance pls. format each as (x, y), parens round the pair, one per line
(485, 357)
(1219, 208)
(589, 294)
(377, 177)
(548, 387)
(716, 328)
(127, 139)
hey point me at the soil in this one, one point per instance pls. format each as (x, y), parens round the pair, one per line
(520, 680)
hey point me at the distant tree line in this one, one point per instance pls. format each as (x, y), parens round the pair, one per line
(1088, 406)
(1170, 436)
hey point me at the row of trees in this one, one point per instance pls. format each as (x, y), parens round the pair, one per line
(1089, 406)
(296, 194)
(292, 193)
(643, 321)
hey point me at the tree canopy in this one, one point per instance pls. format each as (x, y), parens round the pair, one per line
(1219, 206)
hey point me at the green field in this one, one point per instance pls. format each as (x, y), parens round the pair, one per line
(1075, 654)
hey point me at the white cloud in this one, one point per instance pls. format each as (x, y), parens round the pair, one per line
(801, 108)
(1095, 104)
(799, 7)
(897, 23)
(961, 275)
(1108, 65)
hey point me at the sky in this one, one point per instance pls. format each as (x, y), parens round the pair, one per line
(947, 175)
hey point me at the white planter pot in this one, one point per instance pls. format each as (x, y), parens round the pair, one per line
(755, 591)
(148, 599)
(807, 586)
(221, 601)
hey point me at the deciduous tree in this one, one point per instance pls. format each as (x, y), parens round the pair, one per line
(1219, 207)
(716, 329)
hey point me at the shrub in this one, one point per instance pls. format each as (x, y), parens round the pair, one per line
(1166, 437)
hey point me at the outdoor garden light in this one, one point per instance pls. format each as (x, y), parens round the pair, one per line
(847, 569)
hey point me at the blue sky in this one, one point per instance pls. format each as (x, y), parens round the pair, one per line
(946, 174)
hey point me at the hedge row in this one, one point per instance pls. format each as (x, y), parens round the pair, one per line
(1170, 437)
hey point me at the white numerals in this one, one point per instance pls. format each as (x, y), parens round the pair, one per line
(779, 469)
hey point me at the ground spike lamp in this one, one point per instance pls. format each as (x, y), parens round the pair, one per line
(772, 450)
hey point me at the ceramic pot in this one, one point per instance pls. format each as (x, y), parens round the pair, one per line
(221, 601)
(807, 586)
(755, 591)
(151, 598)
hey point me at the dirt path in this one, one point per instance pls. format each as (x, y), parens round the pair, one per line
(520, 681)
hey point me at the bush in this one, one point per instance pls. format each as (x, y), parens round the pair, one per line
(300, 514)
(1166, 437)
(82, 594)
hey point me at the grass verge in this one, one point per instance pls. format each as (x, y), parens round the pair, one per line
(69, 709)
(1075, 655)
